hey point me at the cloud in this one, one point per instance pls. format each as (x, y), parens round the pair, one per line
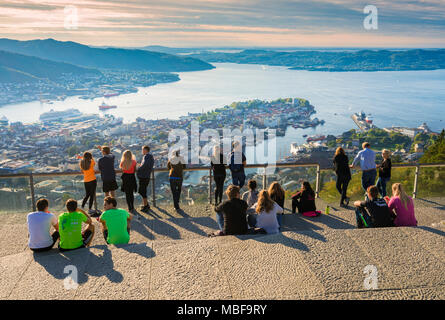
(227, 22)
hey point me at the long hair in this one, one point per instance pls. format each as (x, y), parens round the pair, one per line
(307, 187)
(127, 159)
(340, 150)
(275, 191)
(216, 155)
(85, 163)
(265, 203)
(398, 191)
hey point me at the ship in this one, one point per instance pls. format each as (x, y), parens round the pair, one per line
(105, 106)
(110, 94)
(59, 115)
(363, 121)
(317, 137)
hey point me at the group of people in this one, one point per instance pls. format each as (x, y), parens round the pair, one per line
(252, 212)
(130, 168)
(377, 210)
(68, 226)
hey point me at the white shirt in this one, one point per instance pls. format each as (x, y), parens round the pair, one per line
(39, 226)
(268, 220)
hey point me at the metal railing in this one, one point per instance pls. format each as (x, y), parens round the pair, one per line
(31, 176)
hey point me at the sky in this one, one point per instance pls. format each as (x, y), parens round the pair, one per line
(227, 23)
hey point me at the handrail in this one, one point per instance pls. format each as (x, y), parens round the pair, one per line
(318, 167)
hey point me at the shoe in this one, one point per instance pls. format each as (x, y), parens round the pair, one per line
(347, 201)
(145, 209)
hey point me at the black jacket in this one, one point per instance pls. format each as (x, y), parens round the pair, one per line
(341, 165)
(146, 167)
(235, 218)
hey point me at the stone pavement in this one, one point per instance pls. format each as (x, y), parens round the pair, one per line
(170, 257)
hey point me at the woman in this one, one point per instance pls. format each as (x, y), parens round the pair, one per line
(129, 184)
(251, 196)
(384, 172)
(277, 194)
(87, 164)
(341, 167)
(266, 214)
(176, 165)
(219, 173)
(403, 206)
(304, 200)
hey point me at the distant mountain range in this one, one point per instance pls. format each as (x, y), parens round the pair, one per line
(106, 58)
(363, 60)
(16, 68)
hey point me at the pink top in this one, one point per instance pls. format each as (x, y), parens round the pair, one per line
(405, 216)
(132, 168)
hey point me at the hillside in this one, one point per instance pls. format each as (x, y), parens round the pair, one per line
(364, 60)
(107, 58)
(17, 68)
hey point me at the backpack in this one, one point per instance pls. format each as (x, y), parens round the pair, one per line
(235, 167)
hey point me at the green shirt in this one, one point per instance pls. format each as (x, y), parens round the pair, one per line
(70, 229)
(116, 222)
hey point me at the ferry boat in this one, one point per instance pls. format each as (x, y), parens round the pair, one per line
(110, 94)
(105, 106)
(363, 121)
(59, 115)
(317, 137)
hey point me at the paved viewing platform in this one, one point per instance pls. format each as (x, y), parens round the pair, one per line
(171, 257)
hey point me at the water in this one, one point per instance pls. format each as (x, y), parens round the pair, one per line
(401, 98)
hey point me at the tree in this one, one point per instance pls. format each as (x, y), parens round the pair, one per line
(436, 152)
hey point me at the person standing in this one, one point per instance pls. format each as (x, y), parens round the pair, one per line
(366, 160)
(143, 174)
(39, 228)
(129, 184)
(115, 223)
(87, 164)
(219, 173)
(107, 172)
(176, 165)
(384, 172)
(343, 172)
(236, 165)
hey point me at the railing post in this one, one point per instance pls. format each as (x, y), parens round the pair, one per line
(210, 185)
(33, 195)
(317, 183)
(153, 194)
(265, 178)
(416, 177)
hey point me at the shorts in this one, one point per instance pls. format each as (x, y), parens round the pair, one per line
(86, 237)
(143, 185)
(109, 186)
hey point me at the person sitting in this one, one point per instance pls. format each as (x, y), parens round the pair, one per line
(374, 212)
(231, 214)
(266, 214)
(70, 228)
(304, 200)
(403, 206)
(115, 223)
(39, 228)
(251, 196)
(277, 194)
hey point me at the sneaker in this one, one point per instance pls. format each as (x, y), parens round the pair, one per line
(145, 209)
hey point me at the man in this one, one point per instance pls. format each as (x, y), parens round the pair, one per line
(237, 162)
(366, 160)
(115, 223)
(107, 172)
(39, 227)
(70, 228)
(374, 212)
(231, 214)
(143, 173)
(176, 166)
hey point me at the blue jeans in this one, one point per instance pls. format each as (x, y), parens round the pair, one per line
(220, 220)
(251, 220)
(381, 185)
(238, 179)
(368, 178)
(279, 218)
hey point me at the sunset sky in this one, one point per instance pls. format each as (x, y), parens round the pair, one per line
(223, 23)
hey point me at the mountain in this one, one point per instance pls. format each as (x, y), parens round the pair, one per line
(363, 60)
(106, 58)
(16, 67)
